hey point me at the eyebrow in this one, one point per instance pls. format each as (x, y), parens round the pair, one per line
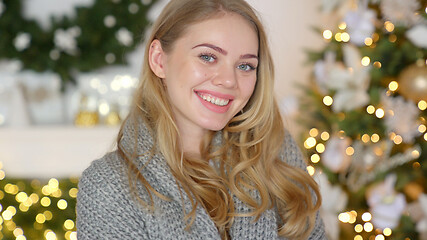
(222, 51)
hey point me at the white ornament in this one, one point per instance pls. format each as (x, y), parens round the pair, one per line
(109, 21)
(418, 35)
(22, 41)
(334, 200)
(124, 36)
(401, 117)
(421, 226)
(351, 83)
(335, 157)
(2, 7)
(66, 41)
(360, 25)
(386, 205)
(43, 10)
(401, 12)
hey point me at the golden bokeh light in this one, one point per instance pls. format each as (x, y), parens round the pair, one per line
(393, 86)
(328, 100)
(366, 61)
(327, 34)
(320, 148)
(422, 105)
(324, 136)
(370, 109)
(315, 158)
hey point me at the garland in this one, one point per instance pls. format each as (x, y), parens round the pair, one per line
(96, 37)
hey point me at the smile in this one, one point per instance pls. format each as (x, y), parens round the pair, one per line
(214, 100)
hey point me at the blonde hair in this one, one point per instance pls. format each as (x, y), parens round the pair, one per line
(251, 142)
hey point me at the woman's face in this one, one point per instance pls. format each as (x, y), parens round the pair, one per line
(211, 72)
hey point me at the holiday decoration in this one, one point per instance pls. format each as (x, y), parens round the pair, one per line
(365, 111)
(413, 82)
(92, 35)
(36, 209)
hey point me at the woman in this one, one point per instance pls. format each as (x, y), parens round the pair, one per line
(203, 153)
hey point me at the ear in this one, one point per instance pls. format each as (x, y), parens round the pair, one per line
(156, 58)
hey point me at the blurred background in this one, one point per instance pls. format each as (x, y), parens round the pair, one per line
(351, 81)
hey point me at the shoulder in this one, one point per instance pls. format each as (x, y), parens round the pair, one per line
(104, 205)
(291, 153)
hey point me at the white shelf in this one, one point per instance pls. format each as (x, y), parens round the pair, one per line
(53, 151)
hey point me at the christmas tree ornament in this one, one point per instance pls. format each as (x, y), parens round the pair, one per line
(418, 35)
(401, 12)
(401, 117)
(88, 114)
(386, 205)
(413, 83)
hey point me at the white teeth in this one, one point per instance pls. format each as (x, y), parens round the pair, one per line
(213, 100)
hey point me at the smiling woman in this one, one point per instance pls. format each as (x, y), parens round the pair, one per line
(203, 153)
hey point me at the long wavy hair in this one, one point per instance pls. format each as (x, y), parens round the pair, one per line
(248, 153)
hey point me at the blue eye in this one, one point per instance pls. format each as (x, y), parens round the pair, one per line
(207, 57)
(246, 67)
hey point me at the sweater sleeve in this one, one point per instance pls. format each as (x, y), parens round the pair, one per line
(294, 157)
(102, 210)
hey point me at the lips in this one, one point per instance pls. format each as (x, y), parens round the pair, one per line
(214, 101)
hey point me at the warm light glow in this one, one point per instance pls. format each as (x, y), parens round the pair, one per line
(73, 236)
(368, 227)
(327, 34)
(415, 154)
(380, 237)
(342, 26)
(387, 231)
(366, 138)
(422, 105)
(375, 138)
(377, 64)
(392, 38)
(40, 218)
(389, 26)
(422, 128)
(398, 139)
(353, 216)
(368, 41)
(366, 61)
(425, 136)
(311, 170)
(53, 183)
(379, 113)
(338, 37)
(393, 85)
(327, 100)
(349, 151)
(45, 202)
(48, 214)
(69, 224)
(310, 142)
(366, 217)
(324, 136)
(104, 108)
(62, 204)
(370, 109)
(21, 197)
(315, 158)
(358, 228)
(320, 148)
(344, 217)
(345, 37)
(358, 237)
(313, 132)
(21, 237)
(73, 192)
(17, 232)
(49, 235)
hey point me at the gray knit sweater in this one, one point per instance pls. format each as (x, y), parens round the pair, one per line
(106, 209)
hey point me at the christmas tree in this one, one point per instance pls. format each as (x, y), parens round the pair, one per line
(365, 111)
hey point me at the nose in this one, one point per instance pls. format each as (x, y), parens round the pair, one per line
(226, 77)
